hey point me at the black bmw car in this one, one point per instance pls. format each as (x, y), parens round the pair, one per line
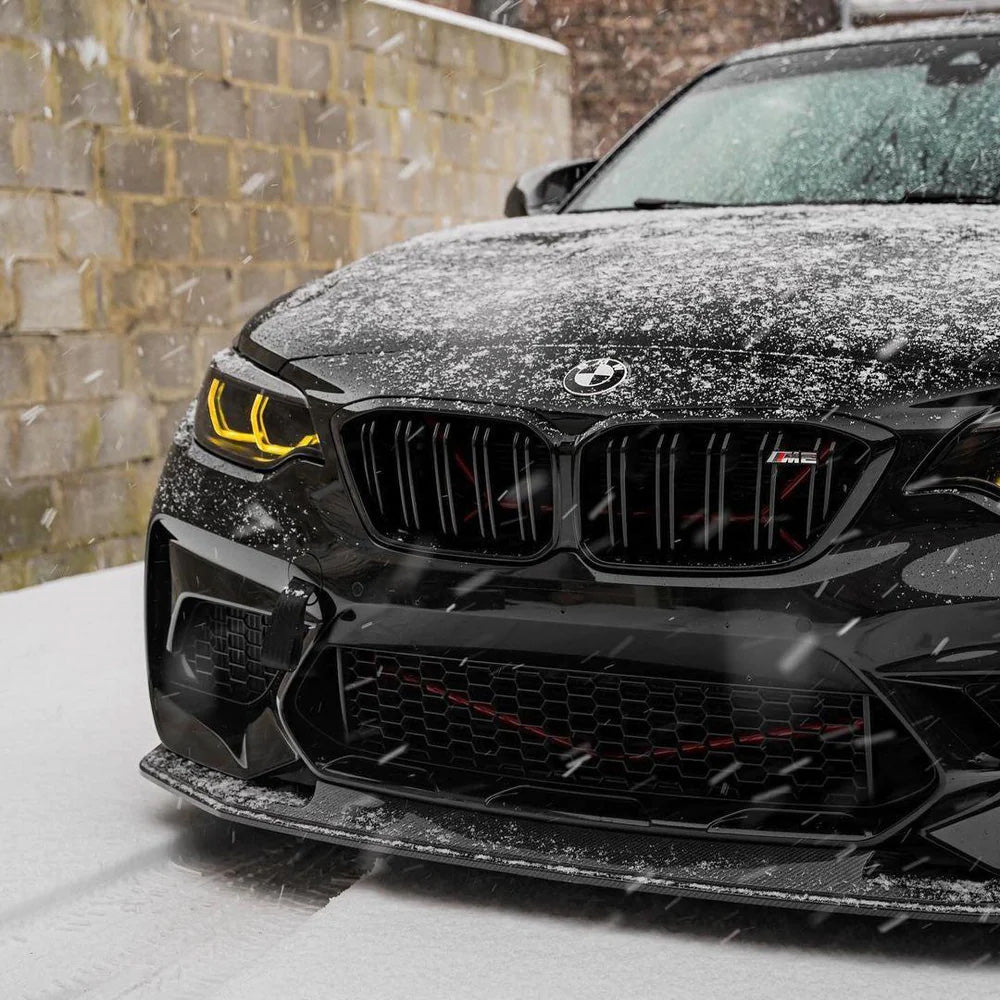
(652, 539)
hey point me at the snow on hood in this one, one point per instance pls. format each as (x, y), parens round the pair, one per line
(796, 308)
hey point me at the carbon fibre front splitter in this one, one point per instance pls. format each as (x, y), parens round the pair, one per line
(767, 874)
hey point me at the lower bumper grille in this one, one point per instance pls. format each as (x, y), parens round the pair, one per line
(610, 732)
(222, 650)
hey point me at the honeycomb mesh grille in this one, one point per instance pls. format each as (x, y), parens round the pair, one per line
(609, 731)
(222, 647)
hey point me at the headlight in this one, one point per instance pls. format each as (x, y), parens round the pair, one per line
(970, 461)
(254, 425)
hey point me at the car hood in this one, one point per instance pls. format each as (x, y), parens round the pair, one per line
(784, 310)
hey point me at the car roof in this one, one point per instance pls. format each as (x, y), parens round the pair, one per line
(953, 27)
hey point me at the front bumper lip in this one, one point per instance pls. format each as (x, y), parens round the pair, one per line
(769, 874)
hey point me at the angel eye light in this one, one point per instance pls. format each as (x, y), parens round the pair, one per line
(260, 437)
(239, 425)
(215, 413)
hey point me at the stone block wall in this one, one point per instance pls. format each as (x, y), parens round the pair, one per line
(168, 167)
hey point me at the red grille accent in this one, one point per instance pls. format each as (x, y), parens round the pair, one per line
(807, 729)
(607, 731)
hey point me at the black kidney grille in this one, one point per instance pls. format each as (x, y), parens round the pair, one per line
(222, 647)
(608, 731)
(453, 482)
(713, 494)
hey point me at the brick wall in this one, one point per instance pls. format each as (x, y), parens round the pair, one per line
(628, 55)
(166, 168)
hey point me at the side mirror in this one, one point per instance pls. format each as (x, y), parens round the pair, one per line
(544, 189)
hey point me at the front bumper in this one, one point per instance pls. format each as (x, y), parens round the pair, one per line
(770, 874)
(912, 616)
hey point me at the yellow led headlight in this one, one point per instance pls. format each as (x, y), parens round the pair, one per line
(253, 425)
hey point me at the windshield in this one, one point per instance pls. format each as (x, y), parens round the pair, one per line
(883, 123)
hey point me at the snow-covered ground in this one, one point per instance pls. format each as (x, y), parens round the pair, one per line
(108, 890)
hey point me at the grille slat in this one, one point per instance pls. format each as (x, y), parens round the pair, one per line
(772, 506)
(608, 731)
(517, 484)
(623, 487)
(488, 482)
(461, 484)
(408, 436)
(398, 454)
(731, 495)
(609, 490)
(366, 458)
(438, 478)
(658, 492)
(812, 490)
(758, 495)
(376, 474)
(706, 507)
(477, 481)
(831, 458)
(445, 446)
(532, 521)
(674, 446)
(722, 491)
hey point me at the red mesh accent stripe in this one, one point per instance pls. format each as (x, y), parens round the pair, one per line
(808, 729)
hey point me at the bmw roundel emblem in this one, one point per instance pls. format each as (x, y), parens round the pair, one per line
(590, 378)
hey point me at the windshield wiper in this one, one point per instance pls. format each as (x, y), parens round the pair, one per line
(918, 197)
(654, 203)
